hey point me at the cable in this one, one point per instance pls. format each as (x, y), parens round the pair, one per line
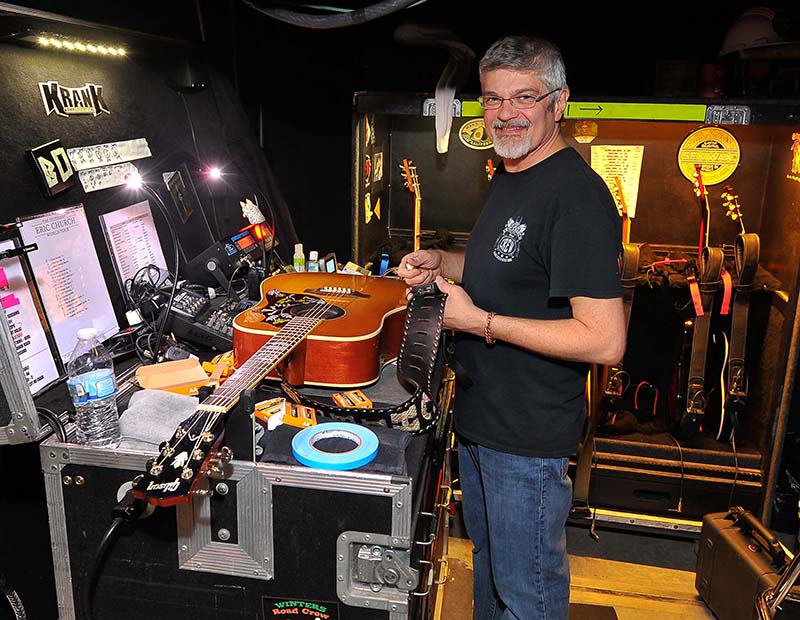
(54, 422)
(735, 466)
(127, 510)
(13, 598)
(679, 507)
(165, 317)
(343, 17)
(268, 263)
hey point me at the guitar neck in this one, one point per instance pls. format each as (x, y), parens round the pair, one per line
(260, 364)
(417, 222)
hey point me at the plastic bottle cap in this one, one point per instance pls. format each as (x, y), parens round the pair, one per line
(313, 255)
(87, 333)
(298, 249)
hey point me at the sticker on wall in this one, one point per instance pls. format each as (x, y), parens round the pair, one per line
(369, 131)
(52, 168)
(369, 211)
(68, 101)
(794, 175)
(714, 149)
(85, 157)
(294, 608)
(367, 208)
(367, 170)
(377, 167)
(104, 177)
(473, 135)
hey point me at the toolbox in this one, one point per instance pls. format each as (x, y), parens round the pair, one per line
(738, 558)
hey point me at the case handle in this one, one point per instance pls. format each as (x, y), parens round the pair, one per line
(748, 522)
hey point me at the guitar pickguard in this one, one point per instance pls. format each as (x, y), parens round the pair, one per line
(282, 307)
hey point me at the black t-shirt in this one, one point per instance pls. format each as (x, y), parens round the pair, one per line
(545, 234)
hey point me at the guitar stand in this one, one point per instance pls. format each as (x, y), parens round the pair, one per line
(768, 601)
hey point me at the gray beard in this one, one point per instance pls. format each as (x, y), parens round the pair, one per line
(513, 148)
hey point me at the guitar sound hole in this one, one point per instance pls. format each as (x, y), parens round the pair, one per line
(333, 312)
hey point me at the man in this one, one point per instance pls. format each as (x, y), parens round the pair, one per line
(539, 301)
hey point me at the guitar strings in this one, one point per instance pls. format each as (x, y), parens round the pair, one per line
(315, 317)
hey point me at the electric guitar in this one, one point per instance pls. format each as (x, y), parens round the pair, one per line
(412, 184)
(747, 248)
(619, 196)
(329, 321)
(705, 210)
(489, 169)
(732, 208)
(614, 379)
(691, 395)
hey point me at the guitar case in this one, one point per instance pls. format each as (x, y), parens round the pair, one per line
(406, 396)
(738, 558)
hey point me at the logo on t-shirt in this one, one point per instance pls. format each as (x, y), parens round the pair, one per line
(506, 247)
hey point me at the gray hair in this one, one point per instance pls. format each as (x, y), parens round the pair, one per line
(522, 53)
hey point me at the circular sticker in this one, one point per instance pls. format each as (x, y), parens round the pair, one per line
(714, 149)
(473, 135)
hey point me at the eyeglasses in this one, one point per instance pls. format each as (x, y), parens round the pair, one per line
(521, 102)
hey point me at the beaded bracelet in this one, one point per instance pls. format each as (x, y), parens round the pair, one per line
(487, 331)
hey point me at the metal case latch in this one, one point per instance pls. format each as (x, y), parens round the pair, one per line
(373, 570)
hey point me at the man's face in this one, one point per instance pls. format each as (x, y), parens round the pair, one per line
(518, 131)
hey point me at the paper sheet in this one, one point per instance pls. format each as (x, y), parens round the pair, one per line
(69, 277)
(26, 329)
(623, 163)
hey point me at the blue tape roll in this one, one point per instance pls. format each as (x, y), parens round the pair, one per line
(307, 453)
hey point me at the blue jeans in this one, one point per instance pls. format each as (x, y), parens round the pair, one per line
(515, 510)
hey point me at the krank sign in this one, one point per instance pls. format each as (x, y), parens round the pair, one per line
(713, 148)
(66, 101)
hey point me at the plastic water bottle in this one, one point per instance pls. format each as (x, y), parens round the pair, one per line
(93, 389)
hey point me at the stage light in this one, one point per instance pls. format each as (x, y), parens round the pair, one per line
(134, 180)
(215, 173)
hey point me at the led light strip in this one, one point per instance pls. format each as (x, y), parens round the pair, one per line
(55, 41)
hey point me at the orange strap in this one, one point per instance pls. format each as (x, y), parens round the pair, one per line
(727, 291)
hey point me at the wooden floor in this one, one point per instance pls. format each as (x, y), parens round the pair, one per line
(639, 576)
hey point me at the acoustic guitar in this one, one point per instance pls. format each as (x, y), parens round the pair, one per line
(336, 328)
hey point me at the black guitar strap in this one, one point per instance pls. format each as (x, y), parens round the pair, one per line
(614, 386)
(711, 263)
(420, 366)
(747, 249)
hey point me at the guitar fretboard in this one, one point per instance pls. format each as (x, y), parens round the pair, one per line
(260, 364)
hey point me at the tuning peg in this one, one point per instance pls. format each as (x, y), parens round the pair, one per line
(225, 455)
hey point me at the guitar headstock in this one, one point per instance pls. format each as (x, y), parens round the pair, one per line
(731, 203)
(489, 169)
(182, 462)
(411, 178)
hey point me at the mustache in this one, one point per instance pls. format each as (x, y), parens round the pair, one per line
(513, 124)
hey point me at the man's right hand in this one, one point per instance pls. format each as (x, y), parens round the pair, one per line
(420, 267)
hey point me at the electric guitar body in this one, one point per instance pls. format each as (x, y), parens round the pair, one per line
(360, 327)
